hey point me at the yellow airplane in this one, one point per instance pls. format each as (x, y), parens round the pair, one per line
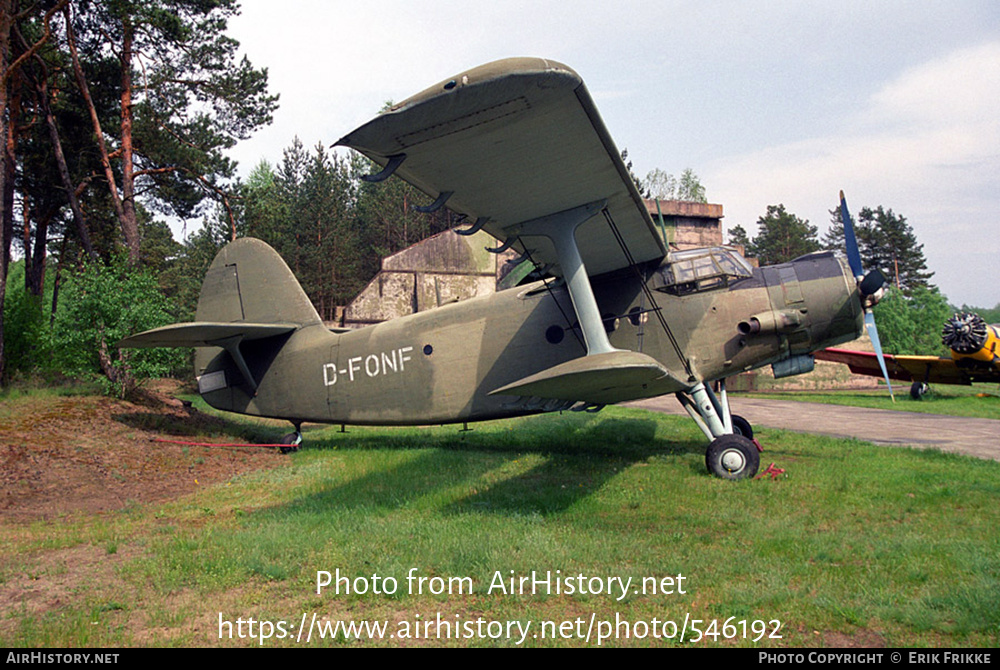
(975, 357)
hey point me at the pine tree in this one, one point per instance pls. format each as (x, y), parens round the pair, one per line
(183, 99)
(783, 237)
(887, 242)
(892, 245)
(738, 237)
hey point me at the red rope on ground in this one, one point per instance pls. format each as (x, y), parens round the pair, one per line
(216, 444)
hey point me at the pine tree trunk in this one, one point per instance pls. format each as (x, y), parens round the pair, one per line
(6, 20)
(127, 221)
(57, 151)
(130, 225)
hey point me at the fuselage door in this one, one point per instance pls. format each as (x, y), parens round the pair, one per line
(330, 374)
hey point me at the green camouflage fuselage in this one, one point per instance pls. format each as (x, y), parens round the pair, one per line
(439, 366)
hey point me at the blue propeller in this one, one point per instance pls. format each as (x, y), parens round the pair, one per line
(867, 285)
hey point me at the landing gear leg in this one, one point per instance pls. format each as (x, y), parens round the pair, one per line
(732, 452)
(292, 440)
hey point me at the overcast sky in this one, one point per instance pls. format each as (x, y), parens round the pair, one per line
(769, 102)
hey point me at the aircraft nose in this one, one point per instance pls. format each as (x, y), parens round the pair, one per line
(835, 302)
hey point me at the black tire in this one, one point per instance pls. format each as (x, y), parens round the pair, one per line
(292, 440)
(732, 457)
(742, 427)
(918, 390)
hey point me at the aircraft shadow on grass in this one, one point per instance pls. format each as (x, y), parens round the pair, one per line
(564, 476)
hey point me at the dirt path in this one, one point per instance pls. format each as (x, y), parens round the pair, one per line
(89, 454)
(975, 437)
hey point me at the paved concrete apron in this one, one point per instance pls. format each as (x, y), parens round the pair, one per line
(975, 437)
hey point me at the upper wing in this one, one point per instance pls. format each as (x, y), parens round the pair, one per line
(933, 369)
(516, 140)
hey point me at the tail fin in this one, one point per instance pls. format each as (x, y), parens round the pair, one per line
(249, 293)
(249, 296)
(248, 282)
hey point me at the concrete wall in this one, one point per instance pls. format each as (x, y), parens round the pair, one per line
(449, 267)
(444, 268)
(689, 225)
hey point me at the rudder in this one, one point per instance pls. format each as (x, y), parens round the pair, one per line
(249, 282)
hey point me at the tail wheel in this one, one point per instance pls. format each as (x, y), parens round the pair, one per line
(293, 440)
(732, 457)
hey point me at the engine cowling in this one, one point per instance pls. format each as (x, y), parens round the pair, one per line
(968, 335)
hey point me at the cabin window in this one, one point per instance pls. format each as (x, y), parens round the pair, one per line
(696, 270)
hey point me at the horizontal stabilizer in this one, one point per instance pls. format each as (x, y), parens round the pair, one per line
(602, 378)
(204, 334)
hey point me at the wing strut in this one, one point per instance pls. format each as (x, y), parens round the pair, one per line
(649, 295)
(560, 229)
(232, 345)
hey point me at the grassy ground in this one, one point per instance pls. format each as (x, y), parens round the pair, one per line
(853, 546)
(976, 401)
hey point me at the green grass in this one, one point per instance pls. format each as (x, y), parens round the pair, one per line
(875, 543)
(977, 401)
(14, 397)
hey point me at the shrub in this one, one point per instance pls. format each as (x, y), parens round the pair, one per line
(102, 305)
(26, 336)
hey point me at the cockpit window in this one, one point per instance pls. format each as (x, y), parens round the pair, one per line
(697, 270)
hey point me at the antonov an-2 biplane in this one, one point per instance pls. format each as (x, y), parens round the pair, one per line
(974, 356)
(517, 146)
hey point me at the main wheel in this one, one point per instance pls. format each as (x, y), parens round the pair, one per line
(293, 440)
(918, 389)
(732, 457)
(742, 427)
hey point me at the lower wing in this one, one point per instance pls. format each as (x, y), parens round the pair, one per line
(932, 369)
